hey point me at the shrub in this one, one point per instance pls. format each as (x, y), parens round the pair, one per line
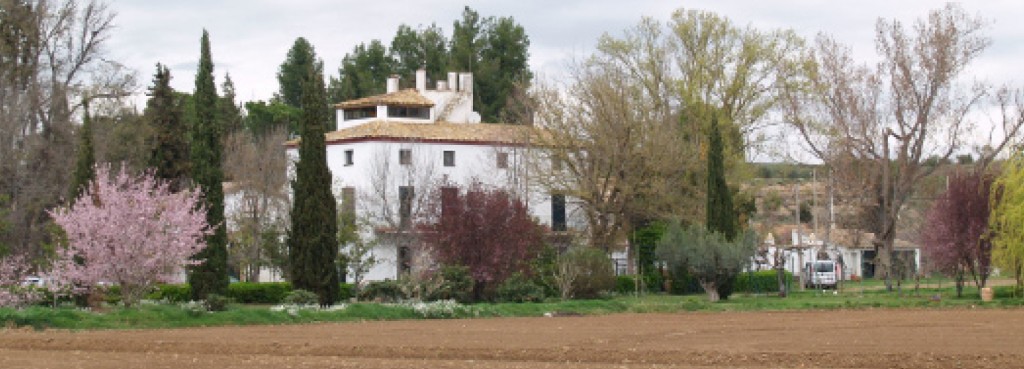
(259, 293)
(759, 281)
(519, 288)
(346, 292)
(301, 297)
(171, 293)
(215, 302)
(708, 256)
(587, 272)
(457, 284)
(383, 291)
(625, 284)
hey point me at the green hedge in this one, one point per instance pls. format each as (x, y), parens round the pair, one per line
(259, 293)
(760, 282)
(242, 292)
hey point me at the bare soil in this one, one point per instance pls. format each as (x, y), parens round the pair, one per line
(965, 338)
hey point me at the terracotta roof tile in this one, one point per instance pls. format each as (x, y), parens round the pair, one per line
(406, 97)
(484, 133)
(440, 131)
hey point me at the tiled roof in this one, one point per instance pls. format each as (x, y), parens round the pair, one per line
(483, 133)
(406, 97)
(440, 131)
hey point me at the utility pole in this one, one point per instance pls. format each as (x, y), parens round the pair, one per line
(796, 235)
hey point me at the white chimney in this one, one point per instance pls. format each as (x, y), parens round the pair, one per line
(442, 85)
(393, 83)
(421, 80)
(466, 82)
(453, 81)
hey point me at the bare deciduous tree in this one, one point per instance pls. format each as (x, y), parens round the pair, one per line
(50, 58)
(258, 216)
(915, 98)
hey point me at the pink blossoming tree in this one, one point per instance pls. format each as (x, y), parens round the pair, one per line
(128, 230)
(12, 293)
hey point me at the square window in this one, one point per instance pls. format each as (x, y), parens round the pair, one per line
(449, 158)
(348, 157)
(405, 157)
(502, 160)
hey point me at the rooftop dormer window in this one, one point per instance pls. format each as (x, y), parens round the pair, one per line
(408, 112)
(360, 113)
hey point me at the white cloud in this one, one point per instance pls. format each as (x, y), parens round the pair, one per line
(250, 38)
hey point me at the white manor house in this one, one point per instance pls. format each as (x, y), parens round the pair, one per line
(392, 151)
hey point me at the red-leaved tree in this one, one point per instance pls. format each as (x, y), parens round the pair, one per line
(484, 229)
(955, 232)
(128, 230)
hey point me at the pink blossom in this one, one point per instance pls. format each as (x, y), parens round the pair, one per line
(131, 231)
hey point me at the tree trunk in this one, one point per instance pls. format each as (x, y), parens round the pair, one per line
(780, 276)
(711, 289)
(959, 284)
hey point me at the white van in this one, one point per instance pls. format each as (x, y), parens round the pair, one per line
(820, 273)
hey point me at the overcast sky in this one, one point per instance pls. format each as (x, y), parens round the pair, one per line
(251, 38)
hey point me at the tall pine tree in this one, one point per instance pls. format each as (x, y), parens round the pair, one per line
(294, 71)
(85, 171)
(211, 275)
(312, 240)
(170, 155)
(721, 216)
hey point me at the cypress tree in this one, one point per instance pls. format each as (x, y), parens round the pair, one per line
(85, 170)
(170, 155)
(211, 275)
(312, 240)
(721, 216)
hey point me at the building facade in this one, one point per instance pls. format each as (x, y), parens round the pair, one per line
(393, 153)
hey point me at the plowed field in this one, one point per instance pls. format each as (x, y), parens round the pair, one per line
(815, 339)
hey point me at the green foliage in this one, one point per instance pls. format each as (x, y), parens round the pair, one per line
(711, 259)
(457, 284)
(543, 269)
(263, 117)
(721, 215)
(519, 288)
(241, 292)
(211, 275)
(85, 171)
(363, 72)
(294, 71)
(312, 241)
(229, 113)
(170, 155)
(215, 302)
(383, 291)
(175, 315)
(625, 284)
(1007, 220)
(645, 239)
(412, 49)
(761, 281)
(496, 50)
(596, 275)
(171, 293)
(259, 293)
(300, 297)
